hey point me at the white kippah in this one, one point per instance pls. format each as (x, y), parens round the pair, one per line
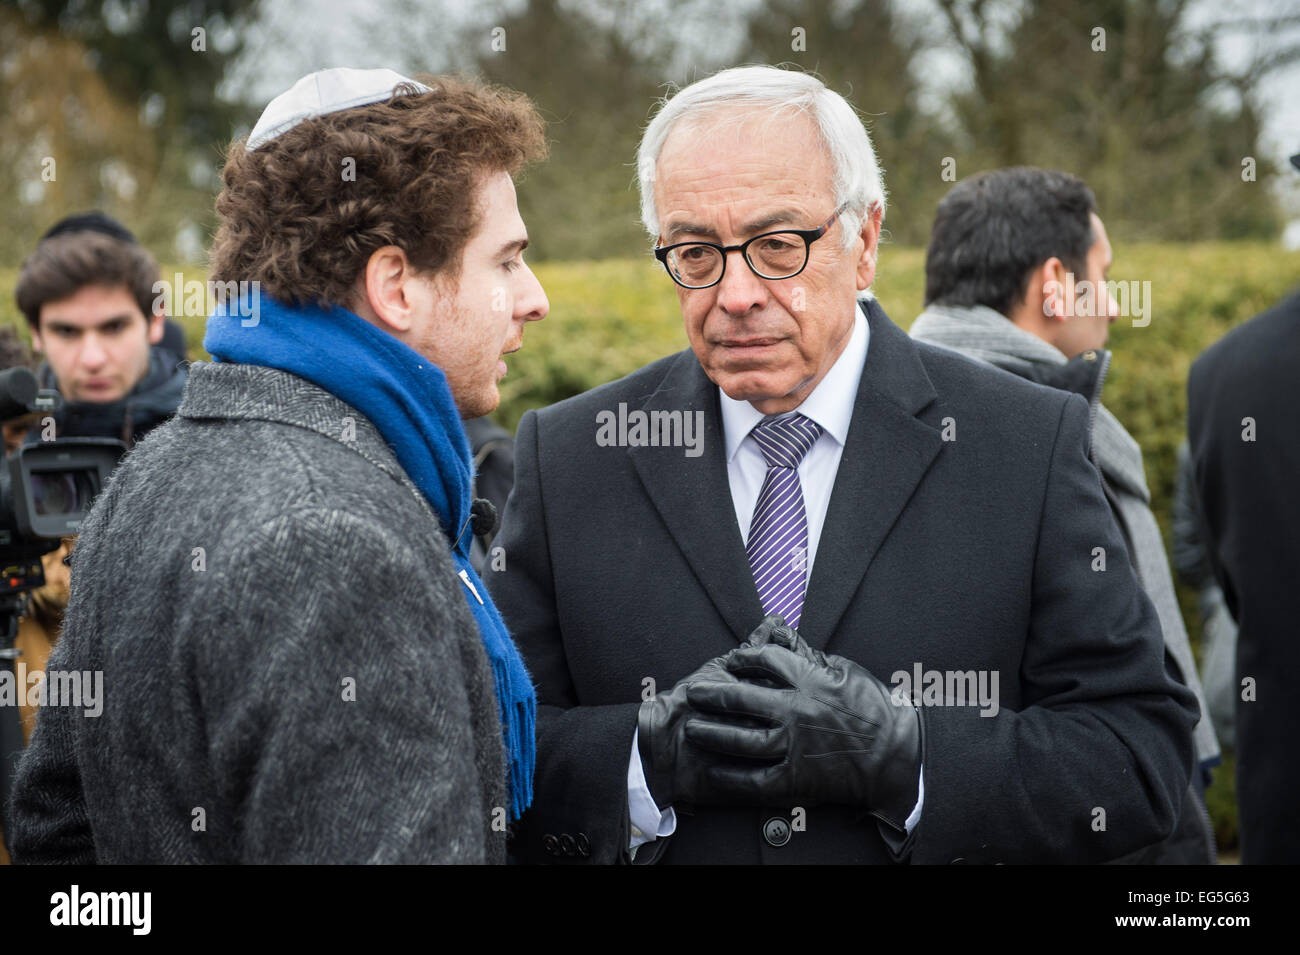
(325, 91)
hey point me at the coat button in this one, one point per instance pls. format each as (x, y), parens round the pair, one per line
(567, 845)
(584, 845)
(776, 831)
(551, 843)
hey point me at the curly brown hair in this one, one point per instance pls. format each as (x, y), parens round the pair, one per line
(301, 221)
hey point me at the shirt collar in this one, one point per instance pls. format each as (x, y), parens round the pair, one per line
(830, 404)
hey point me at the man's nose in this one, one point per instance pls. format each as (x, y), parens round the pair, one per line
(92, 351)
(532, 305)
(740, 289)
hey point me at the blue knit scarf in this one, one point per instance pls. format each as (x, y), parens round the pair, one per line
(407, 398)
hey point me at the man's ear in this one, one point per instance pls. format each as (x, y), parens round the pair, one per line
(1047, 290)
(870, 235)
(384, 293)
(36, 337)
(157, 325)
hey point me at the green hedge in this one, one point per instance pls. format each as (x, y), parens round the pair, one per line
(609, 318)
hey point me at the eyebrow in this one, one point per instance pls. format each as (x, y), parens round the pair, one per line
(753, 227)
(62, 325)
(513, 246)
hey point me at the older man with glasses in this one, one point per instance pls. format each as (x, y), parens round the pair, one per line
(867, 623)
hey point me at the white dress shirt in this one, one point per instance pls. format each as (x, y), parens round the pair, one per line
(831, 406)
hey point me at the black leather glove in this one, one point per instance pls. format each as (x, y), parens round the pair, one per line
(675, 770)
(804, 728)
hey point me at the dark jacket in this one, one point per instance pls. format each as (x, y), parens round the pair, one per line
(129, 419)
(290, 671)
(984, 334)
(1192, 841)
(1243, 425)
(626, 564)
(494, 474)
(987, 335)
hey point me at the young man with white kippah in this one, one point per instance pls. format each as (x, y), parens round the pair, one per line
(300, 662)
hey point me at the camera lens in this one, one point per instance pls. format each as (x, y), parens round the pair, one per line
(61, 492)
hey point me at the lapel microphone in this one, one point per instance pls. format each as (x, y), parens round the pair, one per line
(483, 517)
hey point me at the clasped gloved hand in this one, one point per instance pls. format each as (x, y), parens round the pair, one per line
(793, 726)
(673, 769)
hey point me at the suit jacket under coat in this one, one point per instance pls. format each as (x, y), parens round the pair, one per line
(975, 553)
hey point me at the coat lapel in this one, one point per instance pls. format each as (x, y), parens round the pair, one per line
(887, 453)
(693, 497)
(885, 457)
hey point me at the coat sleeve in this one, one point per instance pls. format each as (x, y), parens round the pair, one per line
(1097, 758)
(48, 820)
(580, 785)
(335, 698)
(321, 668)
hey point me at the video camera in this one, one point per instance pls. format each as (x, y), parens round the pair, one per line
(46, 489)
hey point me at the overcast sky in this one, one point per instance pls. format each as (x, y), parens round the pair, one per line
(295, 37)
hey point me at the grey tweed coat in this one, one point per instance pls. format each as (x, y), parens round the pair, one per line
(290, 671)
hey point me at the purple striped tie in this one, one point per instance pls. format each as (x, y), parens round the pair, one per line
(778, 534)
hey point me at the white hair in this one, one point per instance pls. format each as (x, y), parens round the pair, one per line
(855, 175)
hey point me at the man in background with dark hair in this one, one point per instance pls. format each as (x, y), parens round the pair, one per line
(88, 294)
(1015, 276)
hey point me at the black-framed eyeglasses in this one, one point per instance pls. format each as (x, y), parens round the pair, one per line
(770, 255)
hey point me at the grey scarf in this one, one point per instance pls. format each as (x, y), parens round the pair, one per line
(984, 334)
